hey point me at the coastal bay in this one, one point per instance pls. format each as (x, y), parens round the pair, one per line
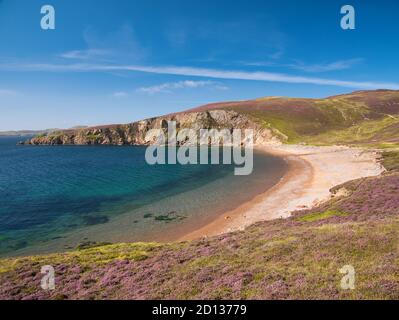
(74, 196)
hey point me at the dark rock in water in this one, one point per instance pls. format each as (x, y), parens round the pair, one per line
(57, 238)
(164, 217)
(93, 220)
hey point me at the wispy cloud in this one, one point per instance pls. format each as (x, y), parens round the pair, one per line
(118, 45)
(332, 66)
(202, 72)
(84, 54)
(311, 68)
(120, 94)
(7, 93)
(171, 86)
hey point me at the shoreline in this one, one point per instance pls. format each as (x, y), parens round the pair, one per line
(312, 172)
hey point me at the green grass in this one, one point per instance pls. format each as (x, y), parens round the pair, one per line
(86, 257)
(320, 117)
(367, 119)
(93, 136)
(361, 133)
(316, 216)
(390, 160)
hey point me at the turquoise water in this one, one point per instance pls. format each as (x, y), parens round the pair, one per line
(55, 197)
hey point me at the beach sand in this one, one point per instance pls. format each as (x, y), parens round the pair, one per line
(312, 172)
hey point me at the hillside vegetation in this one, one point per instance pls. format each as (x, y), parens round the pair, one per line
(368, 118)
(295, 258)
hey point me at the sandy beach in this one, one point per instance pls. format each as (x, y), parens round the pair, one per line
(312, 172)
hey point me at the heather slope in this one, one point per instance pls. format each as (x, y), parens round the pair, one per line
(294, 258)
(362, 117)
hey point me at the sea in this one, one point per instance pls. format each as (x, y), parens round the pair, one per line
(60, 198)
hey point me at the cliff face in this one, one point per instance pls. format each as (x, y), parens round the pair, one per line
(134, 133)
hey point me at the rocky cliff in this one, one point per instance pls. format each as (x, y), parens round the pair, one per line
(134, 133)
(365, 118)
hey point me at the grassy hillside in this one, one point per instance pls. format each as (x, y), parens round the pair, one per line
(364, 117)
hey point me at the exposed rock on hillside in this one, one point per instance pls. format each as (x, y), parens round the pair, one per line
(134, 133)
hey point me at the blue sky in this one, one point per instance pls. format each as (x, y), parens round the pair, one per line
(120, 61)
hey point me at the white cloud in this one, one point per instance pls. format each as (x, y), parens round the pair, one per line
(204, 73)
(84, 54)
(171, 86)
(120, 94)
(256, 76)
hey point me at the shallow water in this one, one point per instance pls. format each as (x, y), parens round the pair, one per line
(54, 197)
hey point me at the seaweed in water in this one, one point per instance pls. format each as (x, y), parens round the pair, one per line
(93, 220)
(171, 216)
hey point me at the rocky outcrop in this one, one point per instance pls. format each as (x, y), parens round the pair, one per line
(135, 133)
